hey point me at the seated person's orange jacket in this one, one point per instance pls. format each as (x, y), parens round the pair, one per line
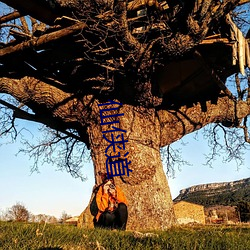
(103, 200)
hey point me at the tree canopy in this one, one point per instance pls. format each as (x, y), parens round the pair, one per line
(154, 54)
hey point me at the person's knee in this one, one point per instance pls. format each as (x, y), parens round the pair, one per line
(108, 216)
(106, 220)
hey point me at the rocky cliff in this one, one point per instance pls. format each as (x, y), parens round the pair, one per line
(225, 193)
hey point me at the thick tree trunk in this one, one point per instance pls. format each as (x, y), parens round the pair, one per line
(150, 203)
(146, 188)
(70, 100)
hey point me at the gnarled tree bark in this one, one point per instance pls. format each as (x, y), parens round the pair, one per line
(150, 202)
(102, 57)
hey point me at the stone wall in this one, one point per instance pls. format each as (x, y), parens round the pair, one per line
(186, 212)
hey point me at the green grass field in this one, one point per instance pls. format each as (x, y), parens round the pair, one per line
(15, 235)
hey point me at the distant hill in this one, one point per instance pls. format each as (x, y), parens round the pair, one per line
(225, 193)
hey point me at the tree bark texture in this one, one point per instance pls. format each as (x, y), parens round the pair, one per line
(146, 187)
(99, 57)
(150, 202)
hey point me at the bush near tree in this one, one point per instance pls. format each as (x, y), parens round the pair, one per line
(243, 209)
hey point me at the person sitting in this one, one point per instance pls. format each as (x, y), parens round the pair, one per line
(112, 205)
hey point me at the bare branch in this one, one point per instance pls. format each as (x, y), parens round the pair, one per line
(173, 159)
(7, 122)
(37, 42)
(9, 17)
(40, 10)
(228, 144)
(245, 128)
(62, 151)
(19, 35)
(24, 25)
(237, 81)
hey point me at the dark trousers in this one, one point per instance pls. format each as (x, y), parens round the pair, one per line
(116, 219)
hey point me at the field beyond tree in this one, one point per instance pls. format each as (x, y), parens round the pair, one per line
(14, 235)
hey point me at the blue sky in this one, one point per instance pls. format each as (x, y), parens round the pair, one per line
(52, 192)
(48, 192)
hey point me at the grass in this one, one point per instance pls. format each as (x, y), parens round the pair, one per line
(30, 236)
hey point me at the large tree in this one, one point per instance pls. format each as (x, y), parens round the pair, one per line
(165, 61)
(18, 212)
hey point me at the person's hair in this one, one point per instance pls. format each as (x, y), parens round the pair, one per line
(105, 178)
